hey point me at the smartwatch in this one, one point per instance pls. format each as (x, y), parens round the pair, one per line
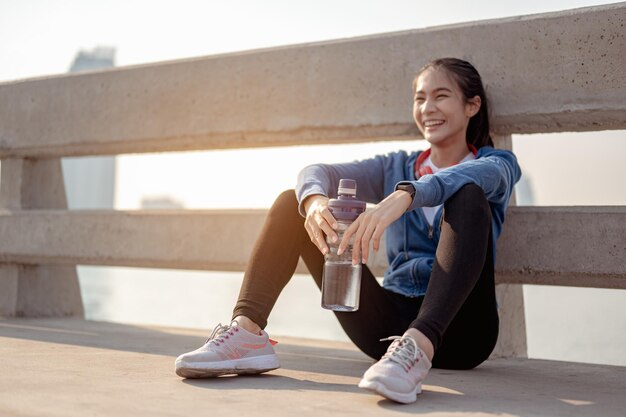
(408, 188)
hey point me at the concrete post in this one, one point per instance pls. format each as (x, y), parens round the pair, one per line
(36, 290)
(512, 338)
(8, 290)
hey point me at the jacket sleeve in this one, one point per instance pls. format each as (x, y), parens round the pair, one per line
(369, 175)
(496, 173)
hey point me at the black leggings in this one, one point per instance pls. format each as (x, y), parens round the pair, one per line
(458, 313)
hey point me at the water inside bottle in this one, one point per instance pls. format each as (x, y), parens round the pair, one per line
(341, 286)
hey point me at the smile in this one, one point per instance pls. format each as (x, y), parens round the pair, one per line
(432, 123)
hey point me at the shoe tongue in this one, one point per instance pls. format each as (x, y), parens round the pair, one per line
(406, 342)
(410, 346)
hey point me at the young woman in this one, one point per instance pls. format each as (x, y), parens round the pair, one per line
(442, 209)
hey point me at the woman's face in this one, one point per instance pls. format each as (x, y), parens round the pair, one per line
(440, 110)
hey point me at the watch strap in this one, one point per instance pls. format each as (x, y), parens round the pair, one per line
(408, 188)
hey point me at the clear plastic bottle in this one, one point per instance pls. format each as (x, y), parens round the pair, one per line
(341, 282)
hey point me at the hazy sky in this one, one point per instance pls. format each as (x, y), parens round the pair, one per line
(40, 37)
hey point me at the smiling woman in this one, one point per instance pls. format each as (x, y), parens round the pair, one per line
(454, 110)
(440, 282)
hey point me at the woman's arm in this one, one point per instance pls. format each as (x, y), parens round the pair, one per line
(317, 183)
(496, 172)
(323, 179)
(371, 225)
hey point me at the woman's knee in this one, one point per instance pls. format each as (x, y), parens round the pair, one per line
(470, 201)
(286, 201)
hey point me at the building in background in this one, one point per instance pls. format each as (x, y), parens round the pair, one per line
(90, 184)
(160, 202)
(90, 181)
(98, 58)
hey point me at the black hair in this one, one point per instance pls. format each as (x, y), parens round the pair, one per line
(471, 85)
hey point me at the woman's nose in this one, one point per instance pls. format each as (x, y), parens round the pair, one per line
(428, 106)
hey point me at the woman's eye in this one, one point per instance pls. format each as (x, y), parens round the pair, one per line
(442, 96)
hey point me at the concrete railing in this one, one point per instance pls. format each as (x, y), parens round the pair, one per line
(555, 72)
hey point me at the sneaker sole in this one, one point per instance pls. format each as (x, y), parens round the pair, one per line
(245, 366)
(378, 388)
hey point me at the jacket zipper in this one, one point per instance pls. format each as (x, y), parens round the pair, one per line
(431, 229)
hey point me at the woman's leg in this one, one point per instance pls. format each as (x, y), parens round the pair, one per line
(273, 261)
(458, 313)
(381, 313)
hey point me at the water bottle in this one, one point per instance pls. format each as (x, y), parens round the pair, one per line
(341, 282)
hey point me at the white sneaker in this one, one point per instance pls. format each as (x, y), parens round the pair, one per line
(229, 350)
(398, 375)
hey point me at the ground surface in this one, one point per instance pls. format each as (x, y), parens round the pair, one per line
(66, 367)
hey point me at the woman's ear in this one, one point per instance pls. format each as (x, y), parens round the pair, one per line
(472, 106)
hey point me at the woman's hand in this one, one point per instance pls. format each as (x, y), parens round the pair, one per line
(319, 219)
(371, 224)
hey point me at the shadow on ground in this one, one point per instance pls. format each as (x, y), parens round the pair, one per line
(301, 357)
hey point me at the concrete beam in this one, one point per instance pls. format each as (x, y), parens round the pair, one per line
(580, 246)
(574, 246)
(187, 239)
(562, 71)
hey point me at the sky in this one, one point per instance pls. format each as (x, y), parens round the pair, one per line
(39, 37)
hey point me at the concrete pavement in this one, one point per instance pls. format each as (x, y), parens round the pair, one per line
(72, 367)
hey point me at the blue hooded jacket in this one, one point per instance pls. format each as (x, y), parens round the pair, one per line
(410, 241)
